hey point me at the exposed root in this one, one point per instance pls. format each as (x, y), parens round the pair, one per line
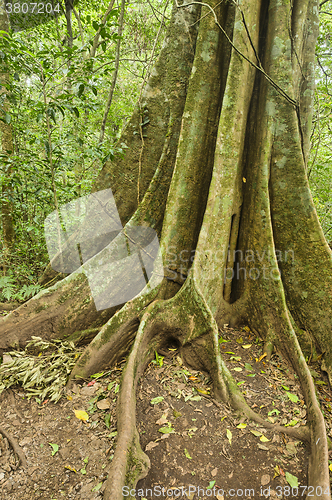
(16, 447)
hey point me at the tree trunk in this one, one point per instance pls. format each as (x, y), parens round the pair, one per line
(7, 147)
(222, 178)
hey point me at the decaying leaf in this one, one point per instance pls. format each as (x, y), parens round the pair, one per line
(151, 445)
(229, 436)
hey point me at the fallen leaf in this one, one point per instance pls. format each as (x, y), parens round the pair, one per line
(229, 436)
(276, 472)
(264, 439)
(70, 468)
(91, 383)
(214, 472)
(177, 414)
(261, 357)
(103, 404)
(241, 426)
(247, 346)
(262, 447)
(186, 452)
(157, 400)
(292, 480)
(81, 415)
(220, 497)
(211, 484)
(265, 479)
(166, 430)
(55, 448)
(256, 433)
(151, 445)
(202, 391)
(292, 397)
(163, 420)
(237, 369)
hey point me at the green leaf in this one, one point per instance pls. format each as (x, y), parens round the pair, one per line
(272, 412)
(248, 366)
(8, 118)
(241, 383)
(292, 480)
(55, 448)
(113, 434)
(241, 426)
(256, 433)
(157, 400)
(211, 484)
(187, 454)
(285, 387)
(237, 369)
(166, 430)
(108, 420)
(229, 436)
(292, 397)
(97, 487)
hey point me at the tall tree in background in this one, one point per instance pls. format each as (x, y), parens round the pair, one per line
(7, 144)
(217, 166)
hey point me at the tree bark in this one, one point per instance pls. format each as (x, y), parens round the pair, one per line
(7, 146)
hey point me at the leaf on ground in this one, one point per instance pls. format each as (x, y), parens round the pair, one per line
(291, 423)
(261, 357)
(273, 411)
(108, 420)
(256, 433)
(291, 448)
(186, 452)
(177, 414)
(211, 484)
(276, 471)
(157, 400)
(97, 487)
(239, 340)
(292, 480)
(55, 448)
(262, 447)
(113, 434)
(229, 352)
(241, 383)
(151, 445)
(229, 436)
(81, 415)
(247, 346)
(241, 426)
(330, 467)
(103, 404)
(203, 391)
(292, 397)
(163, 420)
(264, 439)
(285, 387)
(237, 369)
(70, 468)
(166, 430)
(248, 366)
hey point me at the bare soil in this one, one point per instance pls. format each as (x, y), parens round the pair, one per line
(192, 440)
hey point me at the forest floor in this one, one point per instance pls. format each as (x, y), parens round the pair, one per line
(198, 447)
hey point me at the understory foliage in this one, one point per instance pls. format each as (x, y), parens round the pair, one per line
(53, 102)
(219, 170)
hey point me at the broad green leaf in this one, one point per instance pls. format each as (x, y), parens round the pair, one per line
(264, 439)
(292, 397)
(211, 484)
(55, 448)
(292, 480)
(241, 426)
(248, 366)
(157, 400)
(166, 430)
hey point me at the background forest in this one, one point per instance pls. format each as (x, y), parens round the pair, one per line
(68, 87)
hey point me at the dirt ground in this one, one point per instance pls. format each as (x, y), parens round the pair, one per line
(198, 447)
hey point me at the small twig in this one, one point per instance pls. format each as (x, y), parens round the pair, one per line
(16, 447)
